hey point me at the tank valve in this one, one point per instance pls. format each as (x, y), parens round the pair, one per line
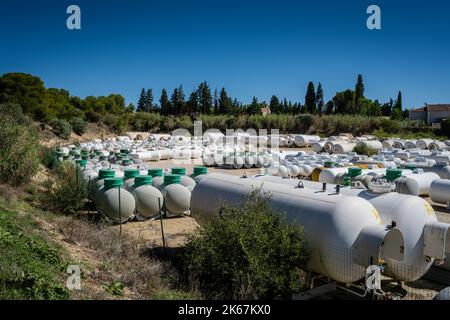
(244, 175)
(338, 188)
(392, 225)
(324, 187)
(300, 185)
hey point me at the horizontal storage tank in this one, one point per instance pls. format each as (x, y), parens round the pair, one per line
(440, 191)
(423, 143)
(416, 183)
(343, 147)
(342, 232)
(387, 144)
(437, 146)
(303, 140)
(318, 146)
(413, 216)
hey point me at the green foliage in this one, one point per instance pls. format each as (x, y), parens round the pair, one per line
(47, 157)
(29, 265)
(364, 149)
(249, 252)
(67, 194)
(445, 127)
(61, 128)
(79, 126)
(310, 99)
(146, 122)
(19, 149)
(114, 288)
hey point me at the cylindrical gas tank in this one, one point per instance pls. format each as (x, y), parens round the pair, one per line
(149, 200)
(318, 146)
(177, 198)
(442, 170)
(342, 232)
(343, 147)
(157, 176)
(440, 191)
(437, 145)
(303, 140)
(423, 143)
(411, 214)
(116, 203)
(185, 180)
(416, 183)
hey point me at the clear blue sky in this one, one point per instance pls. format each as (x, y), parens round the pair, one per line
(253, 47)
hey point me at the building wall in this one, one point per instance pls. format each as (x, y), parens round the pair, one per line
(418, 116)
(437, 116)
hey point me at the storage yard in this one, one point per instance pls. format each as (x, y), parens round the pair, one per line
(390, 209)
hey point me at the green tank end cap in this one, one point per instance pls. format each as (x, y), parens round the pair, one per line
(131, 173)
(141, 180)
(103, 158)
(82, 163)
(113, 183)
(200, 170)
(328, 164)
(392, 174)
(84, 152)
(155, 172)
(171, 179)
(106, 173)
(126, 162)
(65, 157)
(354, 172)
(179, 171)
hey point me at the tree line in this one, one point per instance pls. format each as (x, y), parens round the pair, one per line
(202, 101)
(47, 104)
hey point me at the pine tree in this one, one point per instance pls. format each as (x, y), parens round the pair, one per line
(329, 107)
(224, 103)
(192, 106)
(141, 101)
(177, 101)
(254, 107)
(148, 101)
(359, 94)
(310, 99)
(204, 98)
(166, 106)
(319, 99)
(216, 101)
(274, 105)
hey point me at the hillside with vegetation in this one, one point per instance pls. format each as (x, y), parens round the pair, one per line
(347, 111)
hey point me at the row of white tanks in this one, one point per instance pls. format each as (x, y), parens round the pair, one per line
(347, 229)
(121, 193)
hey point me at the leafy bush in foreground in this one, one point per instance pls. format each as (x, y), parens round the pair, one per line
(67, 194)
(19, 149)
(364, 149)
(248, 252)
(79, 126)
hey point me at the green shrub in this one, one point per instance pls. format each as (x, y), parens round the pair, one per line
(117, 123)
(79, 126)
(29, 265)
(364, 149)
(249, 252)
(146, 122)
(19, 151)
(61, 128)
(67, 194)
(47, 157)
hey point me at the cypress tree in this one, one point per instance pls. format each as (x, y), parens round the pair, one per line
(319, 99)
(274, 105)
(310, 99)
(359, 94)
(148, 101)
(166, 107)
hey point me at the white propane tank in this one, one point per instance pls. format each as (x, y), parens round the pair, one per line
(374, 144)
(412, 215)
(318, 146)
(185, 180)
(303, 140)
(149, 200)
(423, 143)
(117, 204)
(177, 198)
(342, 232)
(416, 183)
(343, 147)
(440, 191)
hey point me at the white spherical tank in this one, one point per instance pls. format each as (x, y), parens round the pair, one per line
(116, 203)
(149, 200)
(342, 232)
(177, 198)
